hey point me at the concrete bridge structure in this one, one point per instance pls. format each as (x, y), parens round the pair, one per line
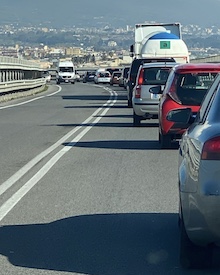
(17, 74)
(210, 59)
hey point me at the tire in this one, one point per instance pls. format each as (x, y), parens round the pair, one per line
(191, 255)
(129, 103)
(165, 141)
(136, 120)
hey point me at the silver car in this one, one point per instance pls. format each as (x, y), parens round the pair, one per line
(199, 180)
(102, 76)
(144, 103)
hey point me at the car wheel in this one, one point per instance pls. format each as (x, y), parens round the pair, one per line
(136, 120)
(191, 255)
(165, 141)
(129, 103)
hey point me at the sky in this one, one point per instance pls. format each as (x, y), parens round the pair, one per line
(118, 12)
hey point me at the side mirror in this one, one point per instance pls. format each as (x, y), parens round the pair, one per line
(156, 90)
(132, 48)
(132, 51)
(182, 116)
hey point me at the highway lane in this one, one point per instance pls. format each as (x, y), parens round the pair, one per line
(100, 196)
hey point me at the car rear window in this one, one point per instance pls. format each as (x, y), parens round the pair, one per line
(156, 76)
(192, 87)
(104, 74)
(91, 73)
(115, 74)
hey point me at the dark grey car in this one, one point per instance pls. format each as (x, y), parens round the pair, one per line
(199, 180)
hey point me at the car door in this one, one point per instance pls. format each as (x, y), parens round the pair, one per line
(192, 142)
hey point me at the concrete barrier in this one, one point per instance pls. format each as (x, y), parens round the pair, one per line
(19, 74)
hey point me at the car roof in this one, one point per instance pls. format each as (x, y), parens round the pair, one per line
(153, 60)
(159, 64)
(193, 67)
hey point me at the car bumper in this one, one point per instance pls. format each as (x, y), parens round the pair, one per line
(201, 206)
(103, 80)
(143, 108)
(66, 80)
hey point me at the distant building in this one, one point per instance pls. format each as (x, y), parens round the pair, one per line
(73, 51)
(112, 44)
(10, 51)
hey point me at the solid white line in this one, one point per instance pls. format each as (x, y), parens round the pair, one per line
(11, 202)
(20, 173)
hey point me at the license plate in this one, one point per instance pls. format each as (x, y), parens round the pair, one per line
(66, 80)
(155, 96)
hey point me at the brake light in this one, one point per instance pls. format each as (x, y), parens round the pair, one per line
(211, 149)
(141, 77)
(137, 91)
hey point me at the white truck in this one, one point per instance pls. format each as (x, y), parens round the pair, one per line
(66, 72)
(159, 40)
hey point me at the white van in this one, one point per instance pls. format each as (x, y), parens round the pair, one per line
(66, 72)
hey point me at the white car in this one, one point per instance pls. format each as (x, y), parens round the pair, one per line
(102, 77)
(77, 77)
(47, 76)
(144, 103)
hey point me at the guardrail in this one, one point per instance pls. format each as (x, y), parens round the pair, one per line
(17, 85)
(19, 74)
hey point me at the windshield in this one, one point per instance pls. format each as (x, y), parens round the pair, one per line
(66, 69)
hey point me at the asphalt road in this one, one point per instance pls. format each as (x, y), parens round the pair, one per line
(82, 191)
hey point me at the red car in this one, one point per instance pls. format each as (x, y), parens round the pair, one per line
(186, 87)
(115, 78)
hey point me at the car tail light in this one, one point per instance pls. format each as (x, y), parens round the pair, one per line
(141, 77)
(211, 149)
(137, 91)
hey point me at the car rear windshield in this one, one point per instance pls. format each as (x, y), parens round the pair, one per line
(90, 73)
(115, 74)
(156, 76)
(104, 74)
(192, 87)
